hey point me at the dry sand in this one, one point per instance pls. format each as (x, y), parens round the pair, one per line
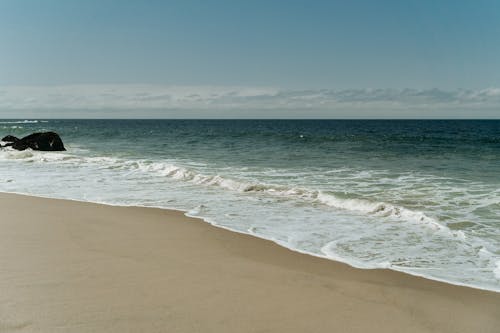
(79, 267)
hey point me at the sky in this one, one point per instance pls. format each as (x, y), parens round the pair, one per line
(233, 59)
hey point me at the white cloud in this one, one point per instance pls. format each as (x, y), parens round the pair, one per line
(203, 98)
(124, 96)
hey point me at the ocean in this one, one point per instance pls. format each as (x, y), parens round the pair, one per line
(418, 196)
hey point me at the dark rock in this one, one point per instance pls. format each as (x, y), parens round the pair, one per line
(18, 145)
(10, 138)
(46, 141)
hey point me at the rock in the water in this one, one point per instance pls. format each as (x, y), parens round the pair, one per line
(45, 141)
(10, 138)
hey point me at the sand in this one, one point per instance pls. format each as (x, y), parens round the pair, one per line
(78, 267)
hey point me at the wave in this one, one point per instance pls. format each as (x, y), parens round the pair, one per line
(166, 169)
(356, 205)
(23, 121)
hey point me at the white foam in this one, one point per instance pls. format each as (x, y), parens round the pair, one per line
(21, 122)
(329, 251)
(377, 209)
(11, 154)
(496, 271)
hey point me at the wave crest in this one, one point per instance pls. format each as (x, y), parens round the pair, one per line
(23, 121)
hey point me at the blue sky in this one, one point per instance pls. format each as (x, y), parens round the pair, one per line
(282, 46)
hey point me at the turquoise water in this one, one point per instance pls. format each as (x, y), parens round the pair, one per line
(421, 197)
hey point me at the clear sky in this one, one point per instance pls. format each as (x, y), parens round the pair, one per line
(280, 45)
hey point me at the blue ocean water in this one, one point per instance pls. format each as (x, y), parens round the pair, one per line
(419, 196)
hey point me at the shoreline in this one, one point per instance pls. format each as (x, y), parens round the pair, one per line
(85, 267)
(202, 219)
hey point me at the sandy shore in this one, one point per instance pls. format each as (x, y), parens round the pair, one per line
(78, 267)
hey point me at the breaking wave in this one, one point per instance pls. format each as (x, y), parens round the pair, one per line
(23, 121)
(179, 173)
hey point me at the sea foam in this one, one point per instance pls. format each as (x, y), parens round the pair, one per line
(166, 169)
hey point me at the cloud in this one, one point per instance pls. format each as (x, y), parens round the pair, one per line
(124, 96)
(262, 99)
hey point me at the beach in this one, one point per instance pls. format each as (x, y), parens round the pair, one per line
(199, 167)
(372, 194)
(68, 266)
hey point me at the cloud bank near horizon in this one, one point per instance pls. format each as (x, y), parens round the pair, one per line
(212, 101)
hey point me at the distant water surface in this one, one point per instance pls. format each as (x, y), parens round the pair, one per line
(421, 197)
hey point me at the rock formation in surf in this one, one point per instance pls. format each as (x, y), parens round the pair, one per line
(45, 141)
